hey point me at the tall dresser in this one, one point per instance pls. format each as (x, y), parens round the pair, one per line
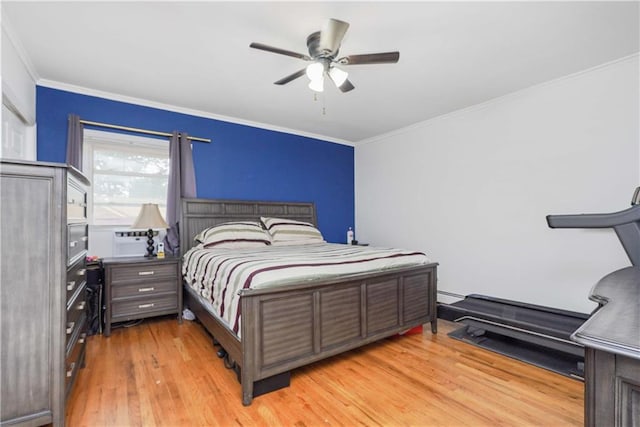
(43, 321)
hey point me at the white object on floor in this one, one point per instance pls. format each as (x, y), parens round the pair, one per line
(188, 314)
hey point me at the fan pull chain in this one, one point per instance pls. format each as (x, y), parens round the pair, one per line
(324, 113)
(324, 98)
(315, 99)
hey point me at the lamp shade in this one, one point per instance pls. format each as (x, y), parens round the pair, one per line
(315, 71)
(149, 217)
(338, 76)
(317, 85)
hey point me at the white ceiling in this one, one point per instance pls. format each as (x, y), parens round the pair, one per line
(196, 55)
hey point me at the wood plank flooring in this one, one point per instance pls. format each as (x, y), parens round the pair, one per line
(160, 373)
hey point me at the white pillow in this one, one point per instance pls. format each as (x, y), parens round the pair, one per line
(287, 231)
(241, 234)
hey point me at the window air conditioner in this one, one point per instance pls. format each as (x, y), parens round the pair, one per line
(131, 243)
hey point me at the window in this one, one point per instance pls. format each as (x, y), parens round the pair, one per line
(125, 171)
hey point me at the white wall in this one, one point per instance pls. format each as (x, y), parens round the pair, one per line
(472, 188)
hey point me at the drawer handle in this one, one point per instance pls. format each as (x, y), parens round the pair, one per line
(146, 273)
(70, 370)
(146, 305)
(71, 285)
(83, 337)
(82, 272)
(71, 201)
(73, 244)
(146, 289)
(82, 205)
(82, 305)
(70, 326)
(84, 238)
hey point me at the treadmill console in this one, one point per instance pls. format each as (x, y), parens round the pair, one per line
(626, 224)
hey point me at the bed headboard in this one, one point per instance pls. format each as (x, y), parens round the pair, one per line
(198, 214)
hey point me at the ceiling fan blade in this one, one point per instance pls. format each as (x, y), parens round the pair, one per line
(293, 76)
(370, 58)
(332, 34)
(346, 86)
(280, 51)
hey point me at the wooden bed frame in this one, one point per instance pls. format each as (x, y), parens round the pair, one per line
(287, 327)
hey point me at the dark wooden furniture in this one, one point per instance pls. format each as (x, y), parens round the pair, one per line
(139, 287)
(287, 327)
(612, 351)
(77, 321)
(43, 319)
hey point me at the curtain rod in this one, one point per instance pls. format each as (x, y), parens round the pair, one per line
(130, 129)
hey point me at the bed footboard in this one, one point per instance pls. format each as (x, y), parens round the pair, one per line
(284, 330)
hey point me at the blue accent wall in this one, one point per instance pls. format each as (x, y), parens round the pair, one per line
(241, 162)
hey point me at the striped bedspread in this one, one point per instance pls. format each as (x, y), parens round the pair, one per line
(219, 274)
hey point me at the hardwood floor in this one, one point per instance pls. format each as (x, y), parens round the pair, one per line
(165, 374)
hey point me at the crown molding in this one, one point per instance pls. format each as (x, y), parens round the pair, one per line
(168, 107)
(498, 100)
(9, 32)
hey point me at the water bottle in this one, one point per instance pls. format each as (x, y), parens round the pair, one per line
(349, 236)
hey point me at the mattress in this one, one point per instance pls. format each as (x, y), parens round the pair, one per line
(218, 275)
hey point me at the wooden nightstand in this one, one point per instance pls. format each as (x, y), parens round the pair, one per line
(138, 287)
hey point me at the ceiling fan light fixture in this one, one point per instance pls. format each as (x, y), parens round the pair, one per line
(317, 84)
(338, 76)
(323, 47)
(315, 71)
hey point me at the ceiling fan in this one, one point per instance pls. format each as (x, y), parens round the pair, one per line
(323, 49)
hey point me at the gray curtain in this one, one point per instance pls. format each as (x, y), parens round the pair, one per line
(182, 183)
(74, 142)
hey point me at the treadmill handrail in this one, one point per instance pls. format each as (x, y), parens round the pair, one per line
(607, 220)
(625, 223)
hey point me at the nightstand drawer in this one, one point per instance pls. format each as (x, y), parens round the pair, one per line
(134, 308)
(143, 289)
(147, 272)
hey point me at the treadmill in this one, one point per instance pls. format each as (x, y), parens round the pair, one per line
(535, 334)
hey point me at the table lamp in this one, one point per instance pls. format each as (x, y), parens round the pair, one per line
(150, 218)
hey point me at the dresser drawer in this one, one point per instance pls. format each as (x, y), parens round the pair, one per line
(76, 202)
(72, 368)
(75, 358)
(76, 331)
(138, 289)
(136, 308)
(78, 302)
(76, 308)
(76, 278)
(147, 272)
(77, 242)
